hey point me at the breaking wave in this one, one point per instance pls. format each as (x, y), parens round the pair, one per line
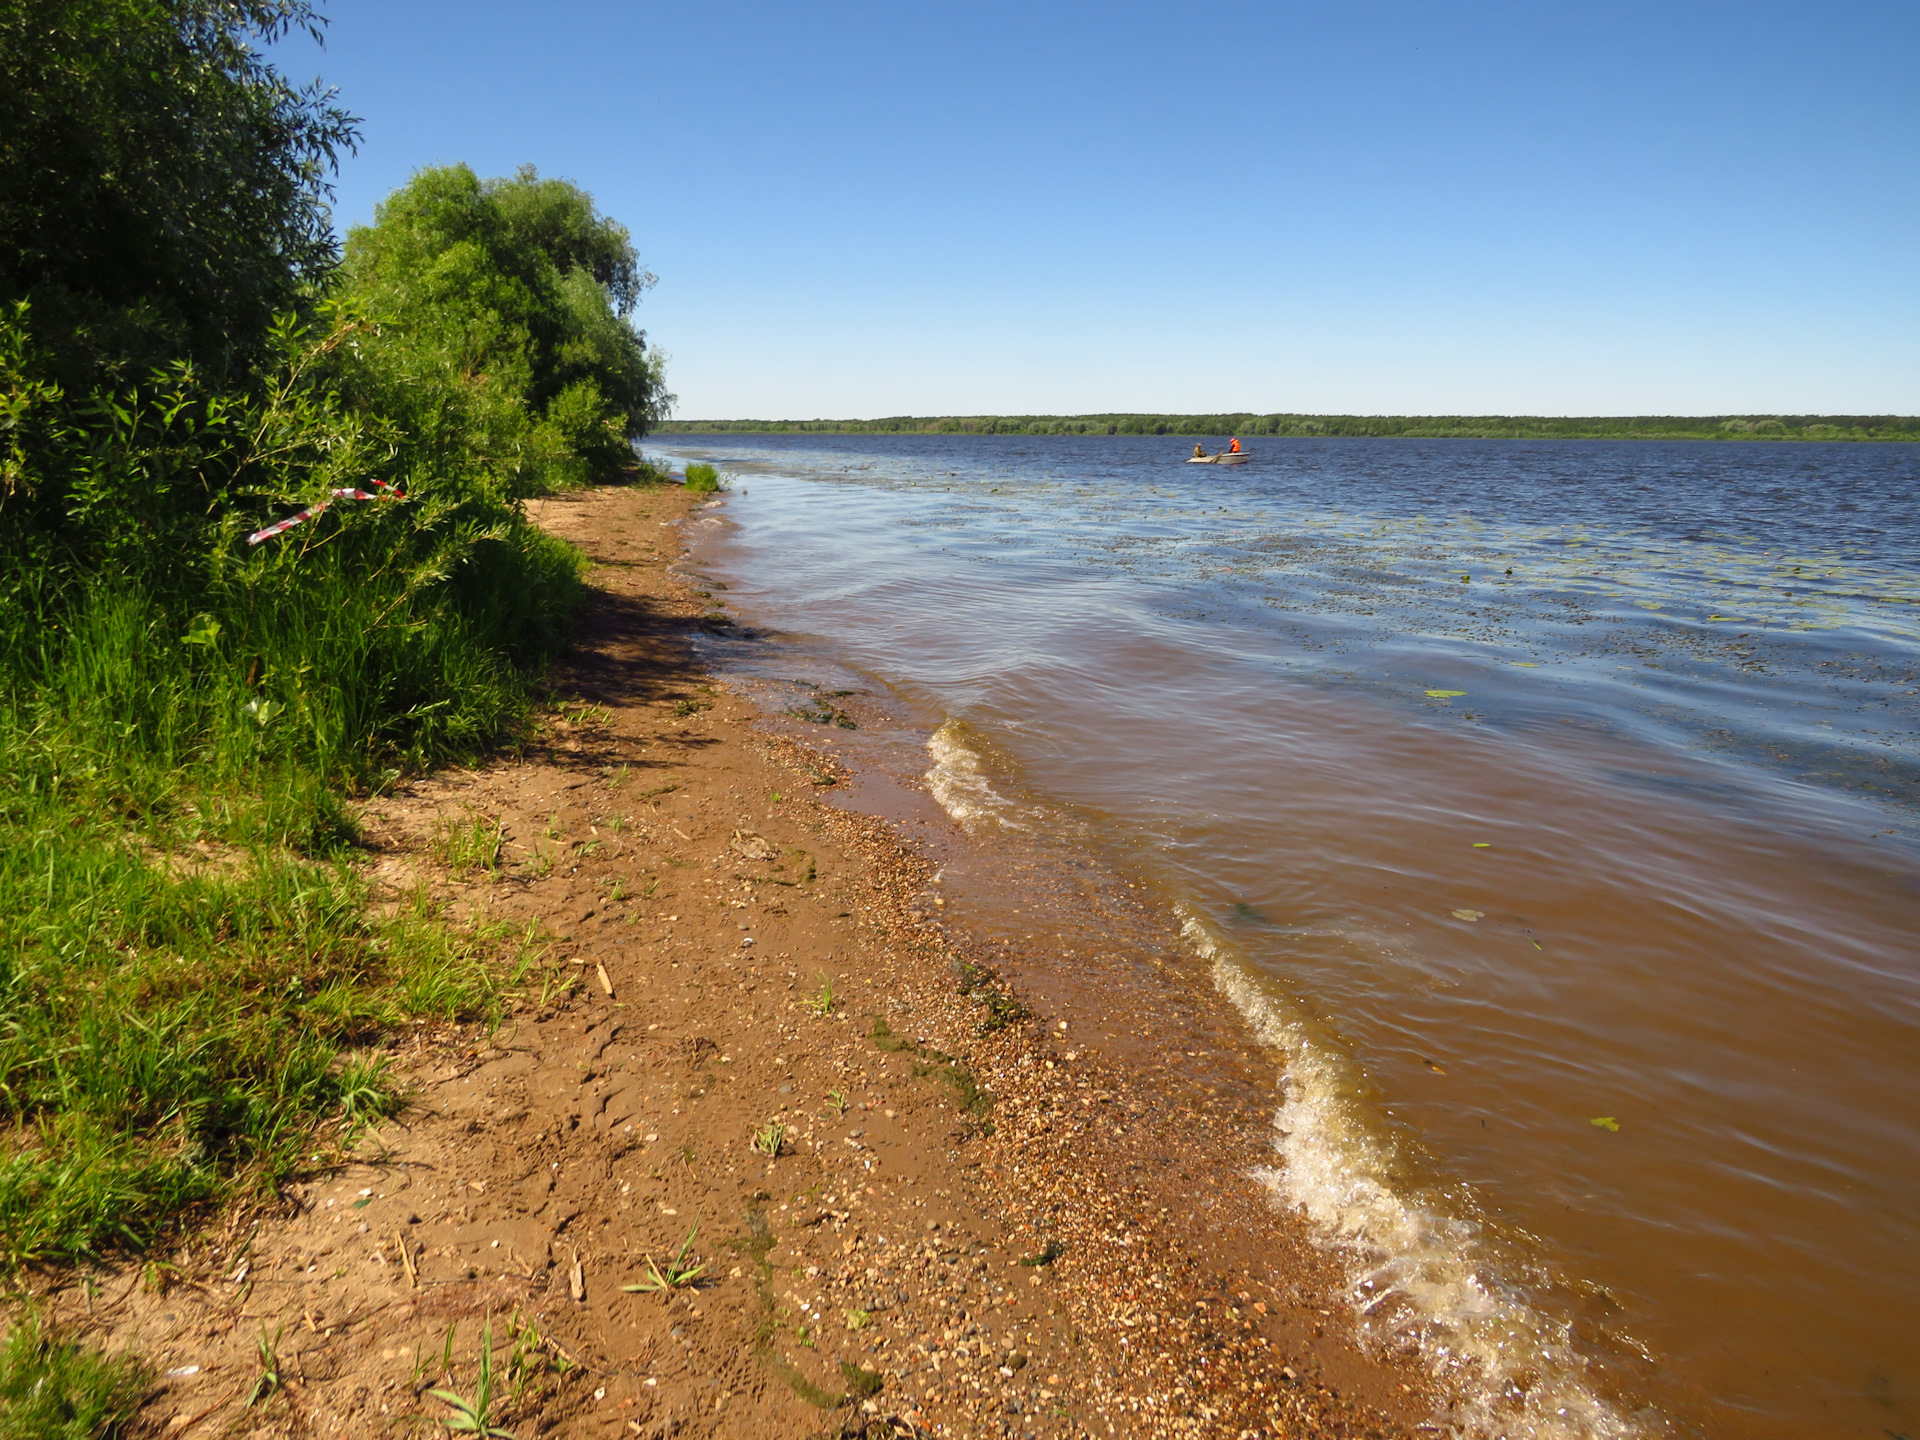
(1421, 1271)
(958, 780)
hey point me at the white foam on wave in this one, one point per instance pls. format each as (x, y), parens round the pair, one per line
(958, 780)
(1420, 1273)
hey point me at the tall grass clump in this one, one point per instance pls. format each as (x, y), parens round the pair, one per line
(194, 987)
(54, 1388)
(702, 478)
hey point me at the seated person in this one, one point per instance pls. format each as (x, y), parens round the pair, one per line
(1199, 452)
(1233, 446)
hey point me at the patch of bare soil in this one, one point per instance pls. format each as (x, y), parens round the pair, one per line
(753, 1051)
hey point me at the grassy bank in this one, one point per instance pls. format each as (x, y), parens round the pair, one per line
(1465, 427)
(194, 986)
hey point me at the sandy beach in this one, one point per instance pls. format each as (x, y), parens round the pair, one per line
(927, 1190)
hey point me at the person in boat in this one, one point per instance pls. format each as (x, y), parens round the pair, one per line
(1233, 446)
(1199, 452)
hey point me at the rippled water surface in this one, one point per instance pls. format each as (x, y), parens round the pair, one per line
(1552, 807)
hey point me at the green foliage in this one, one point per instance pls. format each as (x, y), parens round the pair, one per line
(822, 1003)
(471, 844)
(53, 1388)
(680, 1272)
(162, 188)
(176, 994)
(267, 1382)
(503, 309)
(475, 1417)
(193, 986)
(1053, 1251)
(702, 479)
(1471, 427)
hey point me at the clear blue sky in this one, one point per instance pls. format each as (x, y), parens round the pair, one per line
(1409, 206)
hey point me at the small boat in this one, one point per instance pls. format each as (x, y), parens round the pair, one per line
(1225, 457)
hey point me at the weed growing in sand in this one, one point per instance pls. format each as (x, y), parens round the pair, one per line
(475, 1416)
(555, 982)
(769, 1139)
(859, 1319)
(267, 1383)
(532, 1356)
(679, 1273)
(540, 863)
(420, 1371)
(52, 1388)
(822, 1004)
(838, 1100)
(472, 844)
(1052, 1252)
(616, 890)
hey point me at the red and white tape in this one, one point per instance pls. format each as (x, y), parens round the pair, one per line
(384, 491)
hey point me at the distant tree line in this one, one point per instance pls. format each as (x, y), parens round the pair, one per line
(1461, 427)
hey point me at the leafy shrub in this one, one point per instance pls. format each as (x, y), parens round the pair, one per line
(186, 949)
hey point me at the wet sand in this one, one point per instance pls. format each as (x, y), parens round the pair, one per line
(1002, 1204)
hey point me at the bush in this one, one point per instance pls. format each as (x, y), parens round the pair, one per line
(502, 308)
(186, 952)
(701, 478)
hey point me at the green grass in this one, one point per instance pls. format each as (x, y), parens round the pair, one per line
(476, 1416)
(680, 1272)
(823, 1002)
(702, 479)
(192, 982)
(54, 1388)
(470, 844)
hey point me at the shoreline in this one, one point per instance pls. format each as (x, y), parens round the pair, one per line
(994, 1228)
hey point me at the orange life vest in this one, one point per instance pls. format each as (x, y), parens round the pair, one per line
(1233, 448)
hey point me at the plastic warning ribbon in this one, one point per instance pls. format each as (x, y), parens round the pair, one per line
(280, 527)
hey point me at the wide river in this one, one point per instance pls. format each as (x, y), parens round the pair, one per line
(1552, 808)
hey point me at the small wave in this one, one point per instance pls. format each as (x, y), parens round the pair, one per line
(1422, 1272)
(959, 782)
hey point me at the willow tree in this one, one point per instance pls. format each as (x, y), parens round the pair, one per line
(517, 295)
(163, 189)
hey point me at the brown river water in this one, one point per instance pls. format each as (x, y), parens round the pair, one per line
(1553, 809)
